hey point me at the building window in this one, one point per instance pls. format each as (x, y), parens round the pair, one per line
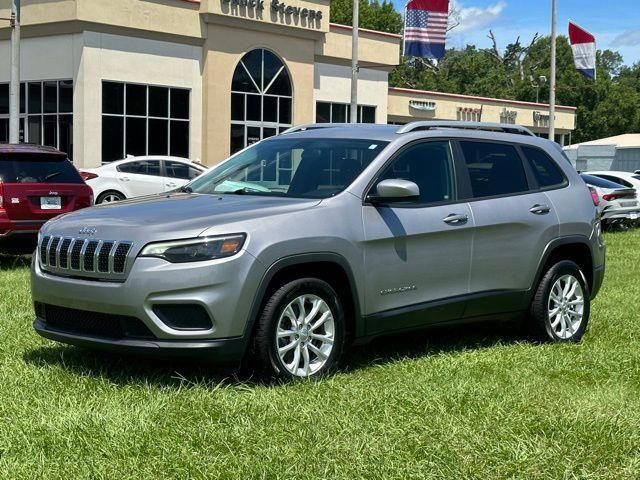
(144, 120)
(261, 99)
(46, 113)
(469, 114)
(327, 112)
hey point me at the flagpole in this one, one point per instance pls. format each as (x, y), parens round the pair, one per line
(552, 93)
(14, 86)
(354, 63)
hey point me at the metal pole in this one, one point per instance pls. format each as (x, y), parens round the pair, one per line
(354, 64)
(14, 86)
(552, 95)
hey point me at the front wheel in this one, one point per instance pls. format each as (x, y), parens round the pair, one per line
(301, 330)
(110, 196)
(561, 306)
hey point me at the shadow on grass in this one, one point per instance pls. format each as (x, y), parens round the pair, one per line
(13, 262)
(180, 373)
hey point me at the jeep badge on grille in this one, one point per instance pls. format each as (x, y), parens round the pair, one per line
(90, 231)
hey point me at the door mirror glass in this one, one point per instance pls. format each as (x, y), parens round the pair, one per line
(395, 190)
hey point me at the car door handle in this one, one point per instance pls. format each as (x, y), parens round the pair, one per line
(125, 179)
(456, 219)
(171, 185)
(540, 209)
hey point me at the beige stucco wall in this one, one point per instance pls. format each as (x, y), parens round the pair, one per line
(332, 83)
(447, 109)
(224, 49)
(373, 47)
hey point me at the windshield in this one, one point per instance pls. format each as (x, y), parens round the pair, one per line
(34, 168)
(303, 167)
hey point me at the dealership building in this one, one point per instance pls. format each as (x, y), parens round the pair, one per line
(203, 79)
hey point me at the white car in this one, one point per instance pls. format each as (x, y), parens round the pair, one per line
(626, 179)
(137, 176)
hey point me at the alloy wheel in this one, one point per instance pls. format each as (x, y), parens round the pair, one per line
(566, 306)
(305, 335)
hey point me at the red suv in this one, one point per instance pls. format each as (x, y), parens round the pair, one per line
(36, 184)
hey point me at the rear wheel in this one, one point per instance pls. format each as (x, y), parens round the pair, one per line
(301, 330)
(561, 306)
(110, 197)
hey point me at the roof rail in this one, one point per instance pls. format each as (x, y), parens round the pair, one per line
(484, 126)
(315, 126)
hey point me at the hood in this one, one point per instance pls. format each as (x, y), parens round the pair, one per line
(169, 216)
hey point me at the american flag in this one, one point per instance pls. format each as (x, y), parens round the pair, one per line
(425, 28)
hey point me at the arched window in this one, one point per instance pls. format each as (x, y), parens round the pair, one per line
(260, 99)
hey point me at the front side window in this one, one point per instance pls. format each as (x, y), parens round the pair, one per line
(544, 168)
(142, 167)
(430, 166)
(494, 169)
(308, 168)
(143, 120)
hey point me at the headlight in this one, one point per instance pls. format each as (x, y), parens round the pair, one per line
(196, 249)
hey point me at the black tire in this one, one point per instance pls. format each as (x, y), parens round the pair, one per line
(541, 325)
(117, 195)
(265, 348)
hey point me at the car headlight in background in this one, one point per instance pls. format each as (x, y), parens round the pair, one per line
(196, 249)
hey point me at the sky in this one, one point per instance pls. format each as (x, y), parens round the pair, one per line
(615, 23)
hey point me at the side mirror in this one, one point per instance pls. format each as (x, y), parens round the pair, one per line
(395, 190)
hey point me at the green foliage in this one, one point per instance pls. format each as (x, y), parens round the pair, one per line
(607, 106)
(372, 14)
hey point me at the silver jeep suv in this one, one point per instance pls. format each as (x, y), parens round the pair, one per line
(327, 235)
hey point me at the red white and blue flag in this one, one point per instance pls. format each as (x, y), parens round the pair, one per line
(583, 45)
(425, 28)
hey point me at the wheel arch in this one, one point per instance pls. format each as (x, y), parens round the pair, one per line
(330, 267)
(575, 248)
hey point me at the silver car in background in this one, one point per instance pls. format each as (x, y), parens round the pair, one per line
(618, 204)
(325, 236)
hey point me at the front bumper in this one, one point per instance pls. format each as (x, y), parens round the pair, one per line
(227, 351)
(223, 288)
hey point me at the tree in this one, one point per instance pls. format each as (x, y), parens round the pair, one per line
(372, 14)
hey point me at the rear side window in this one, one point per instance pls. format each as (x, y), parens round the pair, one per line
(142, 167)
(494, 169)
(544, 168)
(430, 166)
(619, 180)
(599, 182)
(25, 168)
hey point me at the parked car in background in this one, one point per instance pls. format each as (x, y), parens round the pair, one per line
(36, 184)
(626, 179)
(618, 204)
(138, 176)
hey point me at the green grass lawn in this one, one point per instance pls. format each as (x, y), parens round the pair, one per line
(466, 403)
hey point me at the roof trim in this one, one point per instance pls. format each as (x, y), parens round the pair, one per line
(339, 26)
(482, 99)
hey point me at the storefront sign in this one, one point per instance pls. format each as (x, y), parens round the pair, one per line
(541, 119)
(508, 116)
(421, 105)
(278, 7)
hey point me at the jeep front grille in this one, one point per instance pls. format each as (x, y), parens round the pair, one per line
(83, 257)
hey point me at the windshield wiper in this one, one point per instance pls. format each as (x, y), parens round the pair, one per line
(245, 190)
(51, 175)
(185, 189)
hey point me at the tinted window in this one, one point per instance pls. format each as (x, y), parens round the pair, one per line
(494, 169)
(428, 165)
(544, 168)
(142, 167)
(599, 182)
(37, 169)
(637, 177)
(180, 170)
(615, 180)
